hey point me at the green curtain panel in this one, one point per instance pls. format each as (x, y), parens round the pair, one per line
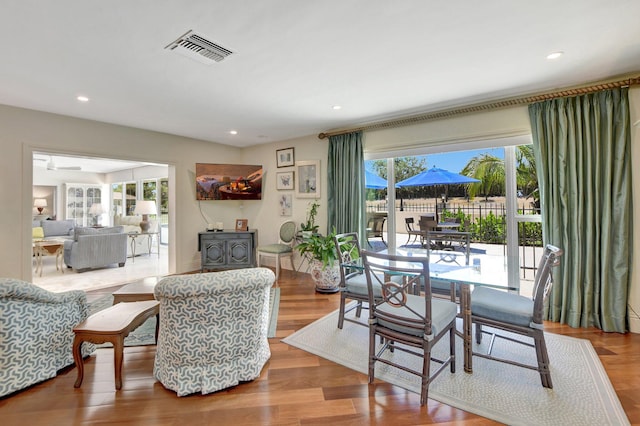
(583, 152)
(345, 181)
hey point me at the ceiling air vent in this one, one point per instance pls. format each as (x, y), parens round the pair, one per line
(197, 47)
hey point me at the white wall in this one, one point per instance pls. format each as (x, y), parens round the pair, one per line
(266, 217)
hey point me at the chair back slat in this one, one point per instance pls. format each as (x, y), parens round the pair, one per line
(348, 250)
(399, 293)
(544, 280)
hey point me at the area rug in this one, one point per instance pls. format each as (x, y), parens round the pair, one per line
(145, 334)
(581, 394)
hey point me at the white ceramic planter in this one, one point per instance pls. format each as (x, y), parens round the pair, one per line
(327, 279)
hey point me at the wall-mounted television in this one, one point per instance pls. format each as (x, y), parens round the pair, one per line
(228, 182)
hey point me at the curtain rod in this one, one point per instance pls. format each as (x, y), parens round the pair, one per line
(420, 118)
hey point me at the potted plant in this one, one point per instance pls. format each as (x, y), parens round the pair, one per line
(321, 252)
(309, 226)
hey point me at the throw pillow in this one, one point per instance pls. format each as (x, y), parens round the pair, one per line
(38, 232)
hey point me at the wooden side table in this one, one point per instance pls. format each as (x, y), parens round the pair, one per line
(112, 325)
(48, 248)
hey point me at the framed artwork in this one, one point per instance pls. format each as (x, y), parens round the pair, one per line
(284, 180)
(308, 176)
(285, 157)
(242, 225)
(285, 204)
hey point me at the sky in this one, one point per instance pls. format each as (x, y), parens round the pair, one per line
(453, 161)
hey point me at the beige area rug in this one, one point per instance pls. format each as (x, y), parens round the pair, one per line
(582, 393)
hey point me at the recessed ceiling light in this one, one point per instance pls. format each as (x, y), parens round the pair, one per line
(233, 132)
(82, 98)
(336, 107)
(555, 55)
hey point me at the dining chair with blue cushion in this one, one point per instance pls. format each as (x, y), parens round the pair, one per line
(283, 248)
(517, 314)
(406, 319)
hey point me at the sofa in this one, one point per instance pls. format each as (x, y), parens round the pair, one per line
(53, 229)
(36, 332)
(132, 224)
(96, 248)
(213, 329)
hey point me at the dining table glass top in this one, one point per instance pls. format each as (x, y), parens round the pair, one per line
(483, 270)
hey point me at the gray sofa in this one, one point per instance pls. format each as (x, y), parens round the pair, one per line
(96, 248)
(56, 229)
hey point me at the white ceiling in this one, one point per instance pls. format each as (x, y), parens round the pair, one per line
(295, 59)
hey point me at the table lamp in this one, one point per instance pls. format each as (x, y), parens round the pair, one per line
(145, 208)
(96, 211)
(40, 204)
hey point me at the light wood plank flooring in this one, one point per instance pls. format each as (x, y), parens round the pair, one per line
(295, 388)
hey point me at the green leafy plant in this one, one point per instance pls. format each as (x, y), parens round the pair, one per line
(321, 248)
(310, 223)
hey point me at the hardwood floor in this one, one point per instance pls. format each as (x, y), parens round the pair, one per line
(295, 388)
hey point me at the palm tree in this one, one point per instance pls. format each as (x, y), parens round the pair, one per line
(489, 169)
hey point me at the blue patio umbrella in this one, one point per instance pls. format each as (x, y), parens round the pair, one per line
(434, 177)
(373, 181)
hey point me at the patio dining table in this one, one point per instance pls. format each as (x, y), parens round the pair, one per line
(485, 272)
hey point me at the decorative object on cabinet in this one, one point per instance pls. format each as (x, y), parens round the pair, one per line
(242, 225)
(285, 157)
(227, 249)
(308, 179)
(145, 208)
(285, 181)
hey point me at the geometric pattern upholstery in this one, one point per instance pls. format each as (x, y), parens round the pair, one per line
(213, 329)
(36, 332)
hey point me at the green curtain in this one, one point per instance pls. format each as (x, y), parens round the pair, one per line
(345, 181)
(583, 152)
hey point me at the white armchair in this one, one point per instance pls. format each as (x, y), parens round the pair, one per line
(213, 329)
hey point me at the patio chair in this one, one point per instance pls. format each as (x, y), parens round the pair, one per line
(517, 314)
(415, 233)
(427, 224)
(375, 226)
(406, 321)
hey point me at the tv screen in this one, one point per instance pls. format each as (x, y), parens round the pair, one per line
(228, 182)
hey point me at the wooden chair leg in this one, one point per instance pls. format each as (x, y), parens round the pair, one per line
(543, 362)
(341, 311)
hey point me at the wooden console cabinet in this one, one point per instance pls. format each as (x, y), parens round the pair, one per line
(227, 249)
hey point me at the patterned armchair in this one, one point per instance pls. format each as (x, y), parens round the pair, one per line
(36, 332)
(213, 329)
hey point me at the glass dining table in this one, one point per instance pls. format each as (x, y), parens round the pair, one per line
(485, 270)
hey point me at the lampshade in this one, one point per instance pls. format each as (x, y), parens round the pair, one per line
(40, 204)
(96, 209)
(145, 207)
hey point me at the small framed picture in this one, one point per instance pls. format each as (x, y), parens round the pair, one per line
(242, 225)
(284, 180)
(285, 205)
(285, 157)
(308, 176)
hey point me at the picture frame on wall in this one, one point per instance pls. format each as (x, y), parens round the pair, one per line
(308, 179)
(285, 157)
(285, 204)
(285, 181)
(242, 225)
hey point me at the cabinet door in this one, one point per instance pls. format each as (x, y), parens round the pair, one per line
(239, 252)
(75, 204)
(213, 253)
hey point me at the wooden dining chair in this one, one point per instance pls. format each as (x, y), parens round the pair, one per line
(405, 320)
